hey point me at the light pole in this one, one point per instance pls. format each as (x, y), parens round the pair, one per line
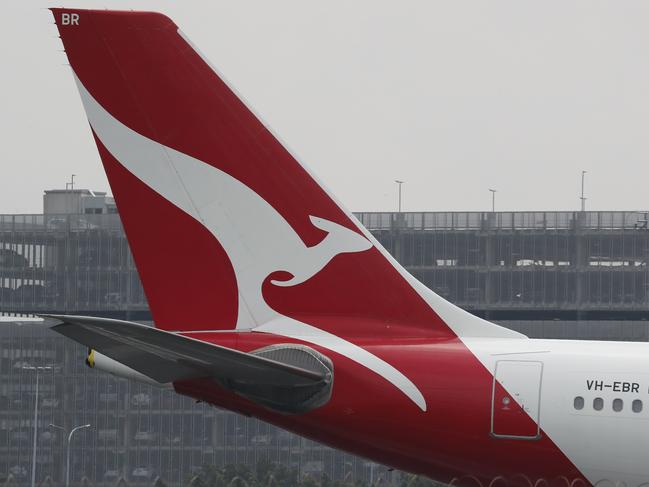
(67, 461)
(37, 370)
(399, 183)
(582, 198)
(493, 199)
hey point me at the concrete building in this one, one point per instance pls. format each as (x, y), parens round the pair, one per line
(77, 202)
(505, 266)
(547, 274)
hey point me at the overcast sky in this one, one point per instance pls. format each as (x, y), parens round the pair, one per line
(452, 97)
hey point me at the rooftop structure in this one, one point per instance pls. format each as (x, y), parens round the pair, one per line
(77, 201)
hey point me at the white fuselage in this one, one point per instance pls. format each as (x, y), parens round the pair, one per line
(591, 398)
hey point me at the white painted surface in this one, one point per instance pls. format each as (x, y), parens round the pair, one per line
(606, 446)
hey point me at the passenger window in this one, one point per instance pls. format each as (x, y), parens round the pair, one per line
(618, 404)
(636, 405)
(598, 404)
(578, 403)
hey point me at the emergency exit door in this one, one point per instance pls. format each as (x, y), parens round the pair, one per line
(516, 399)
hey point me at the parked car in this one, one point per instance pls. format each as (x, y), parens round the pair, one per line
(142, 473)
(56, 223)
(260, 440)
(111, 476)
(144, 436)
(140, 399)
(50, 402)
(18, 471)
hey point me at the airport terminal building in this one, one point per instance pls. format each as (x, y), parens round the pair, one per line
(546, 274)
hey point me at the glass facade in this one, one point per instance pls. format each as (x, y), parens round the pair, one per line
(563, 275)
(68, 263)
(503, 265)
(137, 431)
(567, 265)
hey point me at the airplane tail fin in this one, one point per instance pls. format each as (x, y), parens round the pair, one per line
(227, 228)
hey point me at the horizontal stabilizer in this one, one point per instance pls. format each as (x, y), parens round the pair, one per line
(167, 357)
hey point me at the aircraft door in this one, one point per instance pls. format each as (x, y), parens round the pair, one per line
(516, 399)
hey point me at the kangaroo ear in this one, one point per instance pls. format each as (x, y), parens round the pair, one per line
(347, 239)
(320, 223)
(326, 225)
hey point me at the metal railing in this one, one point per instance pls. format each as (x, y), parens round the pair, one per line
(62, 222)
(438, 220)
(506, 220)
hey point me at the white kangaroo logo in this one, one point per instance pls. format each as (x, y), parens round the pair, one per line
(257, 239)
(339, 240)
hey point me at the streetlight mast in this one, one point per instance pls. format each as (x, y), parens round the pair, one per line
(399, 183)
(35, 442)
(582, 198)
(493, 199)
(67, 461)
